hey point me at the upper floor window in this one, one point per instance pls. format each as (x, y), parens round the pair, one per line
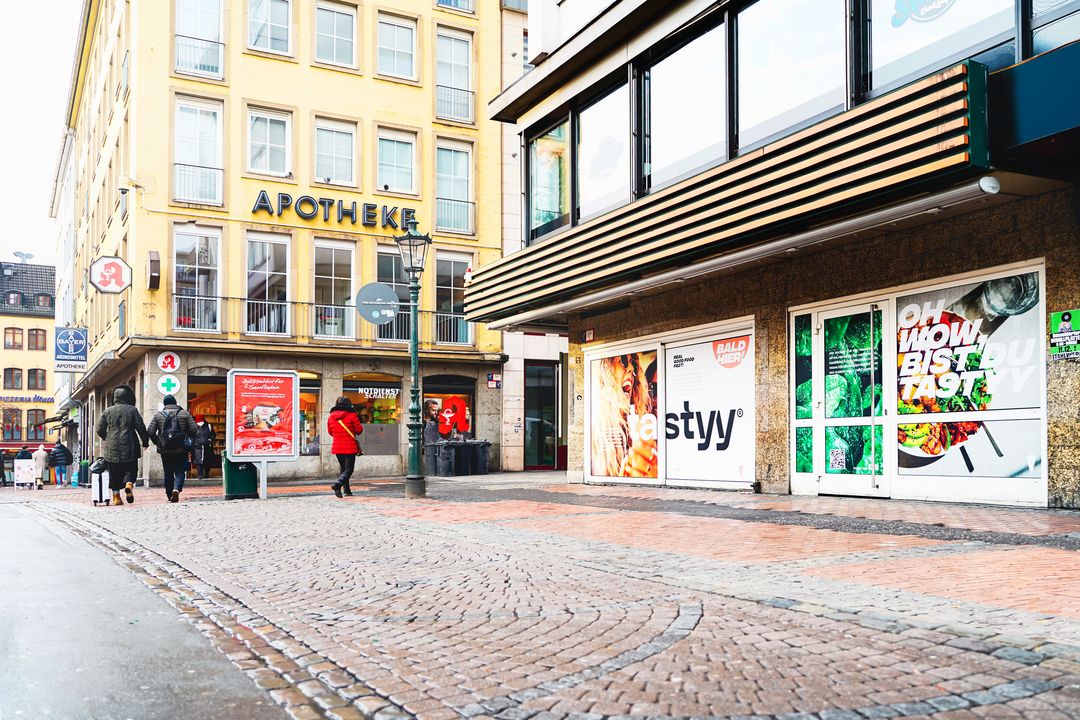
(397, 160)
(335, 34)
(333, 289)
(267, 307)
(1056, 23)
(198, 175)
(12, 378)
(453, 187)
(13, 338)
(196, 301)
(268, 142)
(603, 154)
(463, 5)
(791, 65)
(453, 75)
(388, 270)
(397, 46)
(13, 298)
(335, 151)
(450, 325)
(268, 25)
(44, 300)
(12, 425)
(549, 180)
(35, 425)
(36, 340)
(35, 379)
(199, 49)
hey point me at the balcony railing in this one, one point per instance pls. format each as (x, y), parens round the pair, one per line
(453, 103)
(195, 55)
(198, 184)
(454, 215)
(465, 5)
(267, 321)
(522, 5)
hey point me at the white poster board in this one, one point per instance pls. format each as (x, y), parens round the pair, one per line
(24, 472)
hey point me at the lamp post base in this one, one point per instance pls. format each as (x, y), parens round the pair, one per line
(415, 486)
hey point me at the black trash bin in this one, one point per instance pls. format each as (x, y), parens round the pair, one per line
(464, 458)
(481, 456)
(446, 459)
(431, 458)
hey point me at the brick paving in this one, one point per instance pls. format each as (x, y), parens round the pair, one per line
(509, 599)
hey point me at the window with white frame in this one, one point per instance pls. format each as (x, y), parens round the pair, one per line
(333, 289)
(397, 46)
(397, 160)
(453, 187)
(389, 271)
(453, 75)
(450, 324)
(199, 49)
(268, 142)
(198, 174)
(268, 25)
(335, 151)
(267, 305)
(196, 290)
(335, 34)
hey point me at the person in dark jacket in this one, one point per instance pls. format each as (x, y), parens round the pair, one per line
(124, 432)
(344, 428)
(24, 453)
(202, 446)
(59, 459)
(173, 450)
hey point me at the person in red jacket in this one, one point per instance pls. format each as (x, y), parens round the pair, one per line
(344, 427)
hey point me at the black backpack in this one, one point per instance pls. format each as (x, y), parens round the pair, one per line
(172, 434)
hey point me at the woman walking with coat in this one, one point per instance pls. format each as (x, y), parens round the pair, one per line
(344, 427)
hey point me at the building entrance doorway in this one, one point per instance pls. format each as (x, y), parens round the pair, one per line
(541, 415)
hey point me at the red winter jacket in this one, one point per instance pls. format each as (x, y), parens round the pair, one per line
(344, 443)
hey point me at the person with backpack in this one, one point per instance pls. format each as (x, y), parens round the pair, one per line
(59, 459)
(170, 429)
(121, 427)
(202, 446)
(344, 426)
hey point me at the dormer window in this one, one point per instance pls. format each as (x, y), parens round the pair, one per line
(44, 300)
(13, 298)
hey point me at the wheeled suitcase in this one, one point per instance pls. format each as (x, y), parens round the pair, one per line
(99, 487)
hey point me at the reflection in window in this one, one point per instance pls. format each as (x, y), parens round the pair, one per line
(921, 38)
(549, 180)
(693, 79)
(1041, 7)
(1057, 33)
(603, 146)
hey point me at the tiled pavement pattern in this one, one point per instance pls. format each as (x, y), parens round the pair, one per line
(494, 603)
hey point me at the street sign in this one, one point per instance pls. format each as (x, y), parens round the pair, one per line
(377, 303)
(110, 275)
(70, 347)
(168, 361)
(168, 385)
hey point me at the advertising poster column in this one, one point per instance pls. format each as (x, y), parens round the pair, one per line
(262, 419)
(709, 411)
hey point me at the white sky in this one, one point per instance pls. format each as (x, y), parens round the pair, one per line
(36, 55)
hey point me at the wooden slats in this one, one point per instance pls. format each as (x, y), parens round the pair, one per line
(910, 135)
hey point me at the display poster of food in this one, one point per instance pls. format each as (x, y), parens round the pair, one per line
(1065, 335)
(970, 349)
(853, 389)
(624, 428)
(263, 419)
(709, 410)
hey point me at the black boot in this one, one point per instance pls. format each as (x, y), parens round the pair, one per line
(336, 487)
(346, 489)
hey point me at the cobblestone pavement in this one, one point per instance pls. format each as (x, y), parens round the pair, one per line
(518, 597)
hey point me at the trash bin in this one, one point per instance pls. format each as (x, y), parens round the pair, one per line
(446, 460)
(82, 474)
(465, 462)
(241, 479)
(431, 458)
(481, 456)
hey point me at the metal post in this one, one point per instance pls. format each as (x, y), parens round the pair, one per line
(415, 483)
(262, 481)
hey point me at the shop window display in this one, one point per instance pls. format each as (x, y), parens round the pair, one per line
(206, 397)
(309, 415)
(378, 404)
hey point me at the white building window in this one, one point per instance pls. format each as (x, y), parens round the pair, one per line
(197, 172)
(268, 25)
(453, 75)
(397, 46)
(266, 309)
(199, 49)
(334, 312)
(450, 324)
(335, 34)
(335, 152)
(397, 160)
(388, 270)
(196, 290)
(268, 142)
(453, 187)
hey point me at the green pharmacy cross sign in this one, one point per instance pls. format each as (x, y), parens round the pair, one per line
(168, 384)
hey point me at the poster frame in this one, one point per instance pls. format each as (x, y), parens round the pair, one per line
(660, 342)
(1019, 491)
(230, 430)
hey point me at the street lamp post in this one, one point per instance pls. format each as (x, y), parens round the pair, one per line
(413, 249)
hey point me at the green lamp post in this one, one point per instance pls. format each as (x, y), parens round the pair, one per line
(413, 248)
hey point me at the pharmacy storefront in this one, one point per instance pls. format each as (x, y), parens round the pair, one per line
(674, 408)
(933, 392)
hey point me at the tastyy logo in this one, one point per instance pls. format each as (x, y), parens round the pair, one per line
(707, 426)
(920, 10)
(729, 353)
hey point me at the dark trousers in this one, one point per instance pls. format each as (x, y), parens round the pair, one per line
(175, 466)
(122, 473)
(347, 464)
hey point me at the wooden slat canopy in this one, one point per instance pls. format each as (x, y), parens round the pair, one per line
(931, 130)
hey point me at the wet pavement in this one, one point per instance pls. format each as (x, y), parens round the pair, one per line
(518, 596)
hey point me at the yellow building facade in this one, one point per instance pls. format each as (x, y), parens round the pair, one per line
(26, 359)
(252, 160)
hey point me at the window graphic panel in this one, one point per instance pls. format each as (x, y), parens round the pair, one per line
(624, 427)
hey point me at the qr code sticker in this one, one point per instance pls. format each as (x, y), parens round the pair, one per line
(837, 459)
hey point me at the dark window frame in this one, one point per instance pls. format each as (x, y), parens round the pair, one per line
(41, 335)
(600, 91)
(35, 430)
(13, 378)
(13, 297)
(14, 332)
(36, 379)
(552, 121)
